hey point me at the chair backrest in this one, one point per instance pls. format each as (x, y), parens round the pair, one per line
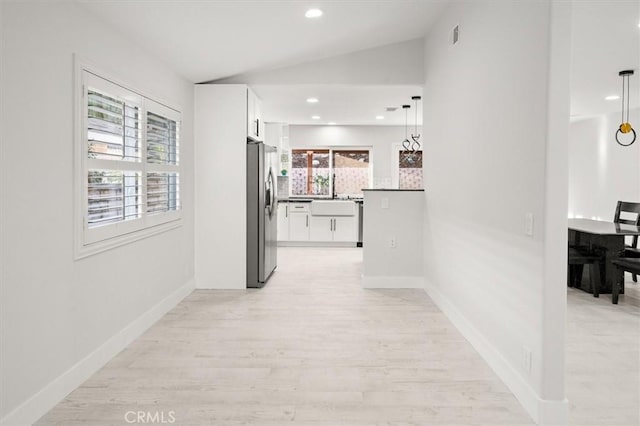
(628, 207)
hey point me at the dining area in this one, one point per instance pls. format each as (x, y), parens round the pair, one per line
(606, 251)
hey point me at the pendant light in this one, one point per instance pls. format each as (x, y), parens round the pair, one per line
(406, 144)
(625, 126)
(415, 146)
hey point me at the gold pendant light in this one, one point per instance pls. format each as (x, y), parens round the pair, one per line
(625, 126)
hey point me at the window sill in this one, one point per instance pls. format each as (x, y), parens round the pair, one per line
(85, 250)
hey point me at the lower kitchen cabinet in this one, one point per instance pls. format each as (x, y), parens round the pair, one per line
(338, 228)
(297, 224)
(283, 221)
(345, 228)
(298, 221)
(321, 228)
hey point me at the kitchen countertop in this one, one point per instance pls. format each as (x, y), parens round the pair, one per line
(393, 189)
(308, 200)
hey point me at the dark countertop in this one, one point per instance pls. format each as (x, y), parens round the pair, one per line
(397, 190)
(308, 200)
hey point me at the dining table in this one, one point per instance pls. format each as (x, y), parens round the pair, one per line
(605, 237)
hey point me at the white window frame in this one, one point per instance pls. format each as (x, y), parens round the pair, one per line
(89, 241)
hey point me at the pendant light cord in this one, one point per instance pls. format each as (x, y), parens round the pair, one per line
(416, 122)
(406, 124)
(628, 96)
(623, 79)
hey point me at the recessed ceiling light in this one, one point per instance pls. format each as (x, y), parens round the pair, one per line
(315, 117)
(331, 123)
(313, 13)
(612, 98)
(312, 100)
(379, 117)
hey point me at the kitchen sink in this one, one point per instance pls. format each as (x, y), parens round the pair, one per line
(333, 208)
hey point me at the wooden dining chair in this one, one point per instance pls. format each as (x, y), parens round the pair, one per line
(623, 265)
(631, 208)
(577, 259)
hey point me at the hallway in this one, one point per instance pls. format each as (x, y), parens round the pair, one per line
(311, 348)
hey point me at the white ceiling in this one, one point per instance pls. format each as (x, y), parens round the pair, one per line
(351, 105)
(606, 40)
(206, 40)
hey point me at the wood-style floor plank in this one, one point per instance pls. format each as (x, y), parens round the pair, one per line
(311, 348)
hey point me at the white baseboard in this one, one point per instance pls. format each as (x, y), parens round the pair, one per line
(316, 244)
(48, 397)
(392, 282)
(543, 412)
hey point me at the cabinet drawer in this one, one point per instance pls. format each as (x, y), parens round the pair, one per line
(298, 207)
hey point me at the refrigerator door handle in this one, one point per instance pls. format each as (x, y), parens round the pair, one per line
(269, 194)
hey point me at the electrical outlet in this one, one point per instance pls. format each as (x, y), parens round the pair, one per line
(526, 359)
(385, 203)
(392, 242)
(528, 224)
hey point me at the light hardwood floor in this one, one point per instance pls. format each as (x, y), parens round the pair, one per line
(603, 358)
(311, 348)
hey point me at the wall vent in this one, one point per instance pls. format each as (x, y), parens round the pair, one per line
(455, 35)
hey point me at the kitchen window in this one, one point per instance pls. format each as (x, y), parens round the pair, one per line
(311, 172)
(329, 172)
(127, 165)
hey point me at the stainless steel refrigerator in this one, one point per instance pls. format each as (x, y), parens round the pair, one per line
(262, 213)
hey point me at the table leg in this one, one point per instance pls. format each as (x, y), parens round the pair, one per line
(613, 247)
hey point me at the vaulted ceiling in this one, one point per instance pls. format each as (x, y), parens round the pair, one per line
(211, 39)
(206, 40)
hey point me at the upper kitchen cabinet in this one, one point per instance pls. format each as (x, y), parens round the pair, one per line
(255, 123)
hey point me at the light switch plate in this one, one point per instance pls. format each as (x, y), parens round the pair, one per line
(385, 203)
(528, 224)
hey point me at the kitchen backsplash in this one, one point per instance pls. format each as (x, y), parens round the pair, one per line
(283, 186)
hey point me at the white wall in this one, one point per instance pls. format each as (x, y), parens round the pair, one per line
(54, 310)
(486, 123)
(381, 138)
(396, 215)
(379, 65)
(221, 185)
(601, 172)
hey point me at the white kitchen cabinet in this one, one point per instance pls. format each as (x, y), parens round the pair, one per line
(255, 124)
(283, 221)
(299, 221)
(321, 228)
(334, 228)
(345, 228)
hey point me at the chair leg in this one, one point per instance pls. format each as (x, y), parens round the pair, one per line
(594, 275)
(615, 289)
(570, 274)
(578, 276)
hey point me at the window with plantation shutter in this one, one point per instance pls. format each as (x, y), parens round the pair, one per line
(130, 174)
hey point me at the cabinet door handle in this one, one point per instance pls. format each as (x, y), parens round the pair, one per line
(286, 211)
(330, 224)
(334, 224)
(257, 127)
(307, 216)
